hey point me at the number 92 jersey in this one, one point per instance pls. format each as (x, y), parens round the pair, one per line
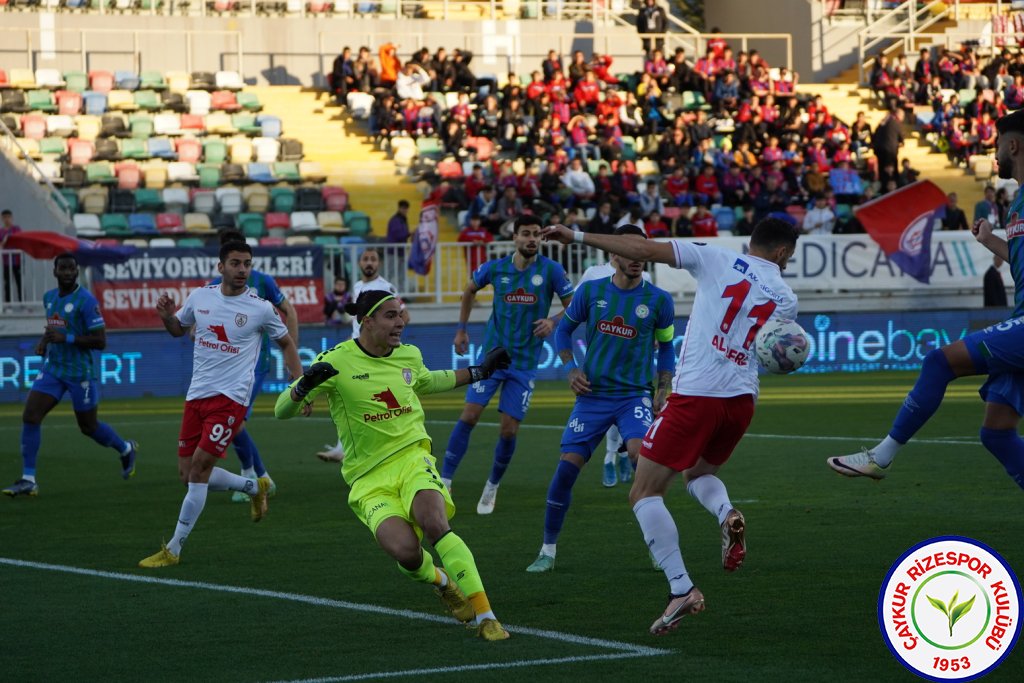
(736, 295)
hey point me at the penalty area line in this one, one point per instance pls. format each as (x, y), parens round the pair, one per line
(620, 649)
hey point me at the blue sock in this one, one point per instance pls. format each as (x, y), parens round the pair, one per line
(1008, 448)
(458, 444)
(924, 399)
(559, 497)
(503, 451)
(248, 454)
(31, 436)
(106, 436)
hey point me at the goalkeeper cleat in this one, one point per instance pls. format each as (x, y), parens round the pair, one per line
(858, 465)
(543, 563)
(258, 509)
(608, 479)
(22, 487)
(734, 544)
(164, 558)
(491, 629)
(679, 606)
(128, 460)
(455, 602)
(625, 468)
(487, 499)
(242, 496)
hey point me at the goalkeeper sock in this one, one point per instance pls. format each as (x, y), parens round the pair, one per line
(191, 508)
(458, 443)
(559, 498)
(503, 451)
(425, 573)
(460, 565)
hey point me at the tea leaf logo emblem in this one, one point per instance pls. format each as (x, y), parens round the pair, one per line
(953, 611)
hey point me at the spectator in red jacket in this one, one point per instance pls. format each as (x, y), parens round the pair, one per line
(602, 64)
(703, 224)
(475, 233)
(586, 92)
(678, 187)
(655, 226)
(706, 185)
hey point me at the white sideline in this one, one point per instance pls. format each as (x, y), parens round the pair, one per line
(621, 650)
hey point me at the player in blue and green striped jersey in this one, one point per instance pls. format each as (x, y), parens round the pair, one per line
(524, 285)
(266, 287)
(623, 316)
(74, 329)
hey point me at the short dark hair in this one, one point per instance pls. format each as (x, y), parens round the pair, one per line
(230, 235)
(229, 247)
(1011, 123)
(6, 212)
(771, 233)
(629, 229)
(62, 256)
(365, 303)
(525, 220)
(402, 204)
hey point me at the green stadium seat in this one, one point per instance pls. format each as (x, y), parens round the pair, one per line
(209, 175)
(41, 100)
(100, 172)
(57, 146)
(132, 148)
(71, 197)
(287, 171)
(148, 200)
(357, 222)
(191, 242)
(282, 199)
(76, 81)
(148, 100)
(115, 225)
(215, 151)
(141, 126)
(150, 80)
(252, 225)
(325, 240)
(245, 123)
(249, 101)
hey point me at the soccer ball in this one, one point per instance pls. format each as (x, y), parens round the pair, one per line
(782, 346)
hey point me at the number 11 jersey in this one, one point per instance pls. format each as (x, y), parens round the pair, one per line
(736, 295)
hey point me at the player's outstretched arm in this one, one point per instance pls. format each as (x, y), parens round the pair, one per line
(631, 246)
(982, 231)
(495, 359)
(300, 393)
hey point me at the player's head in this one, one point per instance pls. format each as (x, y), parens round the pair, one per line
(773, 239)
(6, 218)
(526, 235)
(369, 263)
(226, 236)
(65, 269)
(1010, 144)
(235, 265)
(628, 267)
(379, 315)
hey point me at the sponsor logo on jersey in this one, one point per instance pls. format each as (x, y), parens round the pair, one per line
(240, 319)
(601, 303)
(737, 356)
(392, 410)
(577, 426)
(365, 375)
(222, 342)
(55, 321)
(521, 296)
(740, 265)
(1014, 226)
(616, 327)
(505, 280)
(204, 311)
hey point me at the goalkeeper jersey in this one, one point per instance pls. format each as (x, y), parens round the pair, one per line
(374, 404)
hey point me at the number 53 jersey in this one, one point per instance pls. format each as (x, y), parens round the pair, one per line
(736, 295)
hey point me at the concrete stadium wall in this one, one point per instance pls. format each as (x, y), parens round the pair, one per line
(289, 51)
(801, 18)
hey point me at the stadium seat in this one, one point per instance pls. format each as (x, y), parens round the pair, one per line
(68, 103)
(202, 80)
(167, 124)
(240, 150)
(189, 150)
(107, 149)
(178, 81)
(291, 149)
(204, 201)
(270, 126)
(181, 172)
(251, 224)
(41, 100)
(101, 81)
(228, 80)
(312, 172)
(273, 242)
(224, 100)
(155, 176)
(115, 225)
(297, 240)
(76, 81)
(176, 200)
(209, 175)
(450, 170)
(100, 172)
(80, 152)
(230, 200)
(152, 80)
(60, 126)
(357, 222)
(134, 149)
(121, 100)
(137, 242)
(52, 147)
(331, 221)
(70, 198)
(127, 80)
(304, 221)
(4, 83)
(325, 240)
(249, 101)
(198, 223)
(147, 100)
(288, 171)
(725, 217)
(147, 199)
(87, 225)
(162, 242)
(74, 177)
(22, 79)
(29, 148)
(95, 103)
(88, 127)
(191, 242)
(335, 198)
(359, 104)
(309, 199)
(122, 201)
(277, 220)
(223, 221)
(141, 126)
(257, 198)
(169, 224)
(161, 148)
(282, 199)
(259, 173)
(113, 125)
(214, 151)
(219, 123)
(267, 150)
(33, 126)
(232, 173)
(174, 101)
(198, 102)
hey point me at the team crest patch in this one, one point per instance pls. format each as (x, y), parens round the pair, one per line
(407, 375)
(537, 280)
(68, 308)
(240, 319)
(642, 311)
(231, 421)
(646, 401)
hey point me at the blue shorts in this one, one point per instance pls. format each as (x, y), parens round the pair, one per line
(256, 386)
(593, 415)
(1001, 347)
(85, 393)
(516, 391)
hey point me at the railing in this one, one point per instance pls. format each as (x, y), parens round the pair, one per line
(904, 23)
(8, 144)
(21, 287)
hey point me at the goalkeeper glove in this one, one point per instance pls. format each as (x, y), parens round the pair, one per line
(495, 359)
(314, 376)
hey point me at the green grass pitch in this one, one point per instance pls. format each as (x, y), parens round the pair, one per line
(305, 594)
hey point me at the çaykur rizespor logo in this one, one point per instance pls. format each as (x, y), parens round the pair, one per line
(950, 609)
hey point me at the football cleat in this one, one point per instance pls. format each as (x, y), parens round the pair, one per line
(858, 465)
(734, 544)
(258, 509)
(22, 487)
(128, 460)
(491, 629)
(543, 563)
(608, 479)
(625, 468)
(679, 606)
(455, 601)
(331, 453)
(163, 558)
(487, 500)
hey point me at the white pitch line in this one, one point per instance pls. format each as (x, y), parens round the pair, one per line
(476, 667)
(630, 648)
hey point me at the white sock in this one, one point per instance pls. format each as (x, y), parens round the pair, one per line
(486, 615)
(222, 480)
(710, 492)
(29, 477)
(490, 487)
(249, 472)
(444, 578)
(610, 457)
(662, 538)
(613, 441)
(191, 508)
(447, 483)
(886, 451)
(547, 549)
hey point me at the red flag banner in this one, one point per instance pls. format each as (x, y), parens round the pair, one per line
(902, 222)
